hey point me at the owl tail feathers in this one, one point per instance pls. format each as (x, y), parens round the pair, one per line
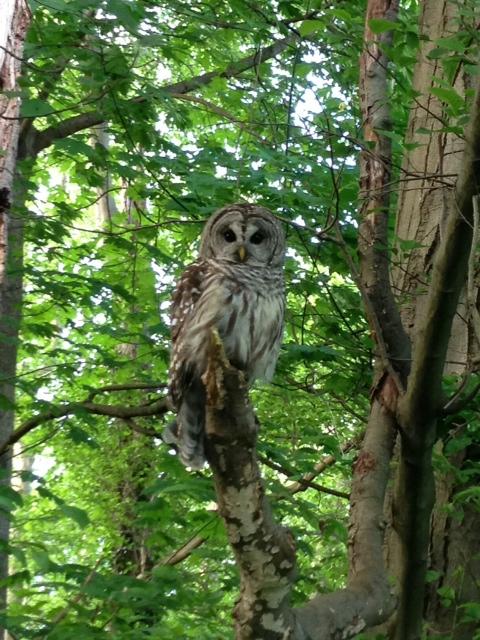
(190, 450)
(187, 432)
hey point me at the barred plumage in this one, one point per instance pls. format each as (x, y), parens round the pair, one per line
(236, 286)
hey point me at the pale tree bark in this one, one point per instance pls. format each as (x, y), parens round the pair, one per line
(429, 173)
(106, 205)
(13, 27)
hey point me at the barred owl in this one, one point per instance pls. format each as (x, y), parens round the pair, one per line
(236, 286)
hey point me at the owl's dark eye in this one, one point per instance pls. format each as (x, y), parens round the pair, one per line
(257, 237)
(229, 235)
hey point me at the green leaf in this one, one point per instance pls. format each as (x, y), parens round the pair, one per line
(295, 352)
(311, 26)
(470, 611)
(9, 498)
(77, 515)
(453, 43)
(17, 578)
(55, 5)
(125, 13)
(41, 559)
(472, 494)
(409, 245)
(450, 96)
(74, 513)
(80, 436)
(379, 25)
(32, 108)
(152, 40)
(432, 576)
(436, 53)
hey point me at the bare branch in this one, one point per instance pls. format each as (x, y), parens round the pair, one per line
(458, 403)
(213, 108)
(304, 482)
(320, 467)
(158, 407)
(126, 386)
(184, 551)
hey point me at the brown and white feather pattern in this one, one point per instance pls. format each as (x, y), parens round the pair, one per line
(244, 300)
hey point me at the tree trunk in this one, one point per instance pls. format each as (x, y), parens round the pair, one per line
(426, 199)
(13, 27)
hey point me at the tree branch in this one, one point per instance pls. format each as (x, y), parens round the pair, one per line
(304, 482)
(264, 551)
(320, 467)
(375, 167)
(184, 551)
(43, 139)
(458, 402)
(471, 288)
(126, 386)
(159, 407)
(213, 108)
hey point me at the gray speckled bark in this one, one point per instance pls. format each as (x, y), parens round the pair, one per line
(265, 551)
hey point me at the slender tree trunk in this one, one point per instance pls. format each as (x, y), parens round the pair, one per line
(13, 27)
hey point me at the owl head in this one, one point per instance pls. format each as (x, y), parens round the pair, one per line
(244, 234)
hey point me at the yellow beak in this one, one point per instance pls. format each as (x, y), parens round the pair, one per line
(242, 253)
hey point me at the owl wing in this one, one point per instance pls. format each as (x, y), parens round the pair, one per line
(187, 293)
(194, 310)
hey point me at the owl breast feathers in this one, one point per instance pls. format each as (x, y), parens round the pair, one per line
(236, 286)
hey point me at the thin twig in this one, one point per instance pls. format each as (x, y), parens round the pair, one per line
(457, 403)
